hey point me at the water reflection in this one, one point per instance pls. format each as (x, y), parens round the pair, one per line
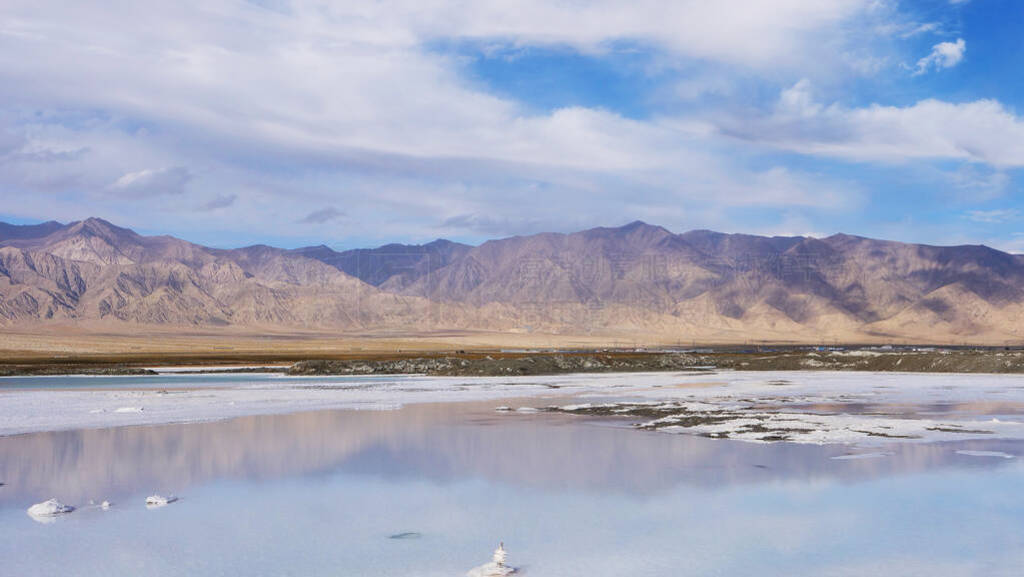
(444, 443)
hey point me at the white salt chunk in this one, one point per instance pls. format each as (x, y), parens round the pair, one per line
(159, 500)
(857, 456)
(496, 568)
(998, 454)
(49, 508)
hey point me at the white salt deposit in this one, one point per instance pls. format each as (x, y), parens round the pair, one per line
(827, 407)
(750, 424)
(496, 568)
(213, 369)
(813, 407)
(50, 508)
(858, 456)
(154, 501)
(996, 454)
(35, 409)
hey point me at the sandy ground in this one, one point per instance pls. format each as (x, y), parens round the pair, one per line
(127, 342)
(172, 343)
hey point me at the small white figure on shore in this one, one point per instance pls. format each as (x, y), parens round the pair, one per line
(497, 566)
(154, 501)
(46, 511)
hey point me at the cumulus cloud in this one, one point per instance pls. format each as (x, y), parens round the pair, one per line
(943, 55)
(356, 101)
(322, 216)
(746, 32)
(359, 77)
(983, 131)
(153, 181)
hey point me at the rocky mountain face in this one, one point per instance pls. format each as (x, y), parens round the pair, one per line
(636, 281)
(93, 270)
(395, 265)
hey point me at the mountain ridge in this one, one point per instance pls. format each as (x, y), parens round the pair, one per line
(636, 279)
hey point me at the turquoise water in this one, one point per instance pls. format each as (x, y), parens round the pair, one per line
(321, 493)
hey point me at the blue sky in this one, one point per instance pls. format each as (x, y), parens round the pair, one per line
(360, 123)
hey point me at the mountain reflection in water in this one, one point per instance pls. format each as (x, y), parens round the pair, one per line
(443, 442)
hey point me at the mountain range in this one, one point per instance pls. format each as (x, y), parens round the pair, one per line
(636, 281)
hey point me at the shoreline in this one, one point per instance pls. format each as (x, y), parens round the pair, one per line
(539, 363)
(816, 407)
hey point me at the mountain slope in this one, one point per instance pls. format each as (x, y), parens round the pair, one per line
(93, 270)
(637, 280)
(395, 264)
(836, 285)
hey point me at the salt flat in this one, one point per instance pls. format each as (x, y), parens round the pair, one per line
(95, 402)
(804, 406)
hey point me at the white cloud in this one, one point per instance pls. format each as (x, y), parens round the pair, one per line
(746, 32)
(357, 77)
(153, 182)
(982, 131)
(999, 215)
(943, 55)
(351, 104)
(921, 28)
(353, 92)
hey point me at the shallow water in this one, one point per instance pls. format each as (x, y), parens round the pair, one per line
(175, 380)
(320, 493)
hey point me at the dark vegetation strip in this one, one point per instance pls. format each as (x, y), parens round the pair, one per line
(541, 363)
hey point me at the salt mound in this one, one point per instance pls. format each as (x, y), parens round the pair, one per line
(154, 501)
(49, 508)
(997, 454)
(858, 456)
(496, 568)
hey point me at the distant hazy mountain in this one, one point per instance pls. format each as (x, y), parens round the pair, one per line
(638, 281)
(395, 264)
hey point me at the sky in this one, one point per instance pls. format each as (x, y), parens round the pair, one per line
(359, 123)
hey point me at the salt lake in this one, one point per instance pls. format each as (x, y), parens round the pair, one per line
(419, 476)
